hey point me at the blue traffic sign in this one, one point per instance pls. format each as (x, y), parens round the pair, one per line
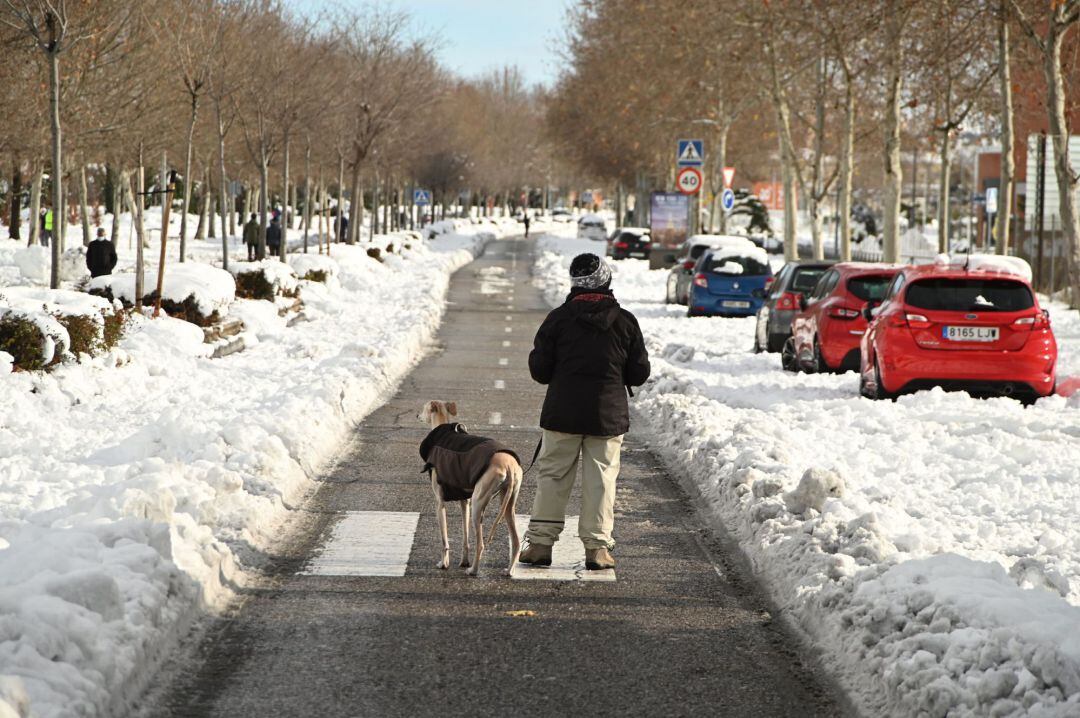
(421, 197)
(691, 153)
(727, 200)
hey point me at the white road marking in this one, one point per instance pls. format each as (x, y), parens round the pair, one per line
(567, 558)
(504, 362)
(367, 543)
(500, 384)
(495, 418)
(506, 342)
(509, 317)
(509, 330)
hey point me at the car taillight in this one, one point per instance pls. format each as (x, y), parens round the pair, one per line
(843, 313)
(769, 281)
(788, 300)
(700, 280)
(917, 321)
(1039, 321)
(688, 264)
(621, 245)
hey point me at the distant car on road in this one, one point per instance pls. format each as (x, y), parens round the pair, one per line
(827, 331)
(682, 272)
(971, 324)
(730, 281)
(592, 226)
(794, 280)
(631, 242)
(561, 214)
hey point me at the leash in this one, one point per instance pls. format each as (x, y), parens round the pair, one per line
(535, 455)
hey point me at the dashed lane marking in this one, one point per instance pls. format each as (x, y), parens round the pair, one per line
(506, 342)
(567, 558)
(367, 543)
(504, 362)
(495, 419)
(509, 330)
(500, 384)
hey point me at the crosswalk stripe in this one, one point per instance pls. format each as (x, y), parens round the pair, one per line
(567, 558)
(367, 543)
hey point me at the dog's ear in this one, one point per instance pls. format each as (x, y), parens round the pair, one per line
(452, 408)
(432, 407)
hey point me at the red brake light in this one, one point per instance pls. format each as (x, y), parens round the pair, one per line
(788, 300)
(769, 281)
(701, 280)
(843, 313)
(688, 264)
(1039, 321)
(621, 245)
(917, 321)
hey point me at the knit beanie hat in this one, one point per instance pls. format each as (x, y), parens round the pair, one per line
(588, 271)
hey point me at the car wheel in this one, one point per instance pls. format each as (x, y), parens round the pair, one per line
(788, 360)
(758, 349)
(774, 343)
(878, 392)
(818, 365)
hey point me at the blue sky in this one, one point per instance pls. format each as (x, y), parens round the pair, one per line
(481, 35)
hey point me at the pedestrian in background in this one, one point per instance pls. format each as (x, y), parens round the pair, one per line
(273, 237)
(526, 220)
(251, 236)
(341, 227)
(46, 226)
(588, 352)
(100, 255)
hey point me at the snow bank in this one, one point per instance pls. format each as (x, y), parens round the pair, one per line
(306, 264)
(929, 547)
(281, 276)
(212, 289)
(130, 497)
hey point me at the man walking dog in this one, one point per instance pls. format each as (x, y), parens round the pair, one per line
(589, 352)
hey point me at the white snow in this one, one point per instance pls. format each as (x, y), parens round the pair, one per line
(213, 289)
(303, 264)
(129, 484)
(282, 276)
(987, 263)
(928, 547)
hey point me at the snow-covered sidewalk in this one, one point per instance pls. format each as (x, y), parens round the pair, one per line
(132, 485)
(930, 547)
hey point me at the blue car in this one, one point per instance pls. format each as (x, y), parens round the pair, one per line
(730, 282)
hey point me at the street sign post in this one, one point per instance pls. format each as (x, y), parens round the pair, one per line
(727, 200)
(689, 180)
(421, 197)
(729, 176)
(690, 153)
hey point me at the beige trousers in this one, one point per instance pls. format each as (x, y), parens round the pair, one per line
(556, 468)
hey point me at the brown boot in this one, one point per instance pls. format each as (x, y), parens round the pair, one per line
(597, 559)
(536, 555)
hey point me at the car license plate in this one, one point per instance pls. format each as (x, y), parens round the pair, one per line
(971, 334)
(642, 255)
(736, 305)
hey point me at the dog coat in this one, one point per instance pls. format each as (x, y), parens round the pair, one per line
(459, 458)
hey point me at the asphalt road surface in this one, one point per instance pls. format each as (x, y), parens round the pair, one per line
(682, 631)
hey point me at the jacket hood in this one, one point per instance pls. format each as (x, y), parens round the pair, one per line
(595, 308)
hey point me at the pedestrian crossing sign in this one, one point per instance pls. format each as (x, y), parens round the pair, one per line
(691, 153)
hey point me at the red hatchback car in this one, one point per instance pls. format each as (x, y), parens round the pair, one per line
(972, 325)
(826, 333)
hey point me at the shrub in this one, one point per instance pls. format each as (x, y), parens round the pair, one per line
(390, 248)
(375, 253)
(408, 246)
(316, 275)
(84, 332)
(22, 339)
(188, 310)
(254, 285)
(115, 324)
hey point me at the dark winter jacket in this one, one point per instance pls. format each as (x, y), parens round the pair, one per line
(459, 458)
(251, 233)
(588, 352)
(341, 227)
(100, 257)
(273, 236)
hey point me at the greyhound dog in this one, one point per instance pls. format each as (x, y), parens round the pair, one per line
(499, 472)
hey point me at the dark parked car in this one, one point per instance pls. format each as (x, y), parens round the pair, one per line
(682, 272)
(795, 280)
(631, 242)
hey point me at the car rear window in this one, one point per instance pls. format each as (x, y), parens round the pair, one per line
(633, 237)
(870, 289)
(969, 295)
(806, 278)
(737, 265)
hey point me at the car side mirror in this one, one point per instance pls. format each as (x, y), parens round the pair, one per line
(802, 302)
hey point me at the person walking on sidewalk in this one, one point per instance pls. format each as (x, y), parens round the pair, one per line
(251, 236)
(273, 237)
(588, 352)
(100, 255)
(526, 221)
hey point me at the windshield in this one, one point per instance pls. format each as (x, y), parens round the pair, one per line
(737, 265)
(697, 250)
(870, 289)
(970, 295)
(806, 278)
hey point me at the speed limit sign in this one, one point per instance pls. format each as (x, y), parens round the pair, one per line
(689, 180)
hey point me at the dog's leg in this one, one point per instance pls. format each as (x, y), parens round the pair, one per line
(465, 505)
(481, 495)
(511, 519)
(440, 516)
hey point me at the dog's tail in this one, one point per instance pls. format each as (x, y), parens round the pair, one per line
(511, 481)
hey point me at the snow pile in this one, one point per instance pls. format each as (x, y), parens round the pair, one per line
(987, 263)
(307, 264)
(132, 498)
(280, 276)
(212, 289)
(929, 547)
(33, 263)
(749, 251)
(44, 306)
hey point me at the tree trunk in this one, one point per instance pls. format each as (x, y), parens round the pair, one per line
(787, 155)
(185, 204)
(339, 234)
(264, 194)
(815, 191)
(118, 204)
(1067, 180)
(57, 163)
(35, 204)
(375, 207)
(847, 168)
(943, 192)
(355, 212)
(892, 170)
(307, 195)
(140, 231)
(721, 161)
(166, 189)
(84, 207)
(283, 249)
(227, 210)
(16, 201)
(1008, 162)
